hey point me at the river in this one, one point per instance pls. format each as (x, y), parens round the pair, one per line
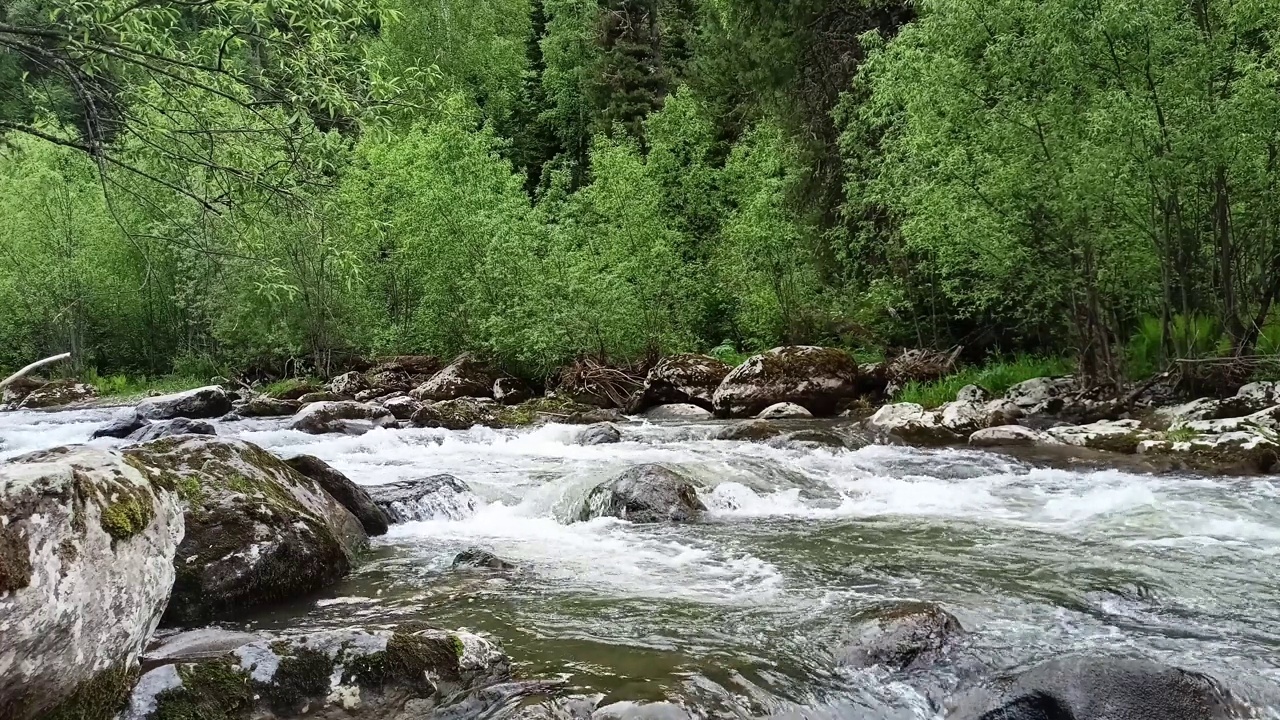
(739, 615)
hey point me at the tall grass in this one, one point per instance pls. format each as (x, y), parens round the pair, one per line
(126, 385)
(996, 377)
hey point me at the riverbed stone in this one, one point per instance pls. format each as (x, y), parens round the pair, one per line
(1119, 436)
(321, 396)
(354, 673)
(200, 403)
(121, 425)
(257, 531)
(1010, 436)
(466, 376)
(901, 636)
(600, 434)
(58, 393)
(438, 497)
(783, 411)
(458, 414)
(263, 406)
(688, 378)
(911, 423)
(751, 431)
(176, 426)
(348, 384)
(819, 379)
(1243, 452)
(676, 412)
(351, 496)
(476, 558)
(644, 494)
(820, 438)
(87, 547)
(347, 416)
(1267, 420)
(402, 407)
(1038, 393)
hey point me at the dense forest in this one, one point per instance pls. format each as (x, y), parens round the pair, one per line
(201, 186)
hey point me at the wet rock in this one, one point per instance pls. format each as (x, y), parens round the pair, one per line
(257, 532)
(1120, 436)
(459, 414)
(350, 673)
(595, 416)
(403, 407)
(511, 391)
(166, 428)
(57, 394)
(87, 547)
(430, 498)
(348, 384)
(910, 423)
(192, 645)
(1228, 453)
(751, 431)
(205, 402)
(466, 376)
(263, 406)
(904, 636)
(783, 411)
(123, 424)
(475, 558)
(350, 495)
(347, 416)
(683, 379)
(818, 379)
(645, 494)
(818, 437)
(600, 434)
(686, 412)
(322, 396)
(1099, 688)
(1010, 436)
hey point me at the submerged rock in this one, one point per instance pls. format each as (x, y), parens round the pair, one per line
(206, 402)
(818, 379)
(1099, 688)
(678, 412)
(905, 636)
(352, 673)
(123, 424)
(475, 558)
(347, 417)
(352, 497)
(87, 547)
(819, 437)
(751, 431)
(600, 434)
(166, 428)
(783, 411)
(429, 498)
(683, 379)
(645, 494)
(57, 394)
(466, 376)
(257, 532)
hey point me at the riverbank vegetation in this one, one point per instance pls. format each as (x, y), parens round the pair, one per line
(274, 188)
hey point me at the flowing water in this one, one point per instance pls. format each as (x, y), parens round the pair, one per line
(741, 615)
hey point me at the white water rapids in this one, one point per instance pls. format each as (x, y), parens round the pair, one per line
(738, 615)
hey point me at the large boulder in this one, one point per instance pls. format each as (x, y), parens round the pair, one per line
(783, 411)
(439, 497)
(258, 532)
(1250, 399)
(904, 636)
(1099, 688)
(348, 417)
(1240, 452)
(166, 428)
(264, 406)
(678, 411)
(57, 394)
(87, 546)
(352, 497)
(821, 380)
(683, 379)
(644, 494)
(1010, 436)
(1039, 394)
(347, 384)
(600, 434)
(457, 414)
(401, 407)
(1120, 436)
(123, 424)
(205, 402)
(419, 367)
(466, 376)
(17, 391)
(910, 423)
(354, 673)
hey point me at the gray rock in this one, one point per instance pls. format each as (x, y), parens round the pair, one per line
(466, 376)
(644, 494)
(511, 391)
(1122, 436)
(176, 426)
(904, 636)
(783, 411)
(123, 424)
(257, 531)
(351, 496)
(402, 407)
(1240, 452)
(205, 402)
(1037, 391)
(600, 434)
(475, 558)
(677, 411)
(87, 547)
(751, 431)
(193, 645)
(1010, 436)
(348, 384)
(911, 423)
(457, 414)
(818, 379)
(429, 498)
(683, 379)
(322, 396)
(1099, 688)
(263, 406)
(57, 394)
(346, 416)
(819, 437)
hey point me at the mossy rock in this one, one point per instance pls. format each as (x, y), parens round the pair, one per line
(821, 380)
(683, 379)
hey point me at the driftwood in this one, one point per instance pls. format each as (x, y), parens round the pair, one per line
(588, 378)
(39, 363)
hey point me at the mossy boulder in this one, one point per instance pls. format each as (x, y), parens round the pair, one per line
(1118, 436)
(292, 389)
(1231, 453)
(57, 394)
(466, 376)
(683, 379)
(206, 402)
(644, 494)
(347, 417)
(87, 548)
(457, 414)
(264, 406)
(352, 496)
(821, 380)
(352, 673)
(258, 532)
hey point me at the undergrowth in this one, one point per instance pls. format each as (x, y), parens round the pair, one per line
(996, 377)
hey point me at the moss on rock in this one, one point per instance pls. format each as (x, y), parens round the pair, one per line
(216, 690)
(98, 699)
(15, 559)
(128, 512)
(303, 674)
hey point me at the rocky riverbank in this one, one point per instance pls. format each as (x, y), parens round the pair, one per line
(103, 547)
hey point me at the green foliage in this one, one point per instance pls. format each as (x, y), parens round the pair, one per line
(995, 377)
(1190, 337)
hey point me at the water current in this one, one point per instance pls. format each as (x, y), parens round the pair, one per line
(743, 614)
